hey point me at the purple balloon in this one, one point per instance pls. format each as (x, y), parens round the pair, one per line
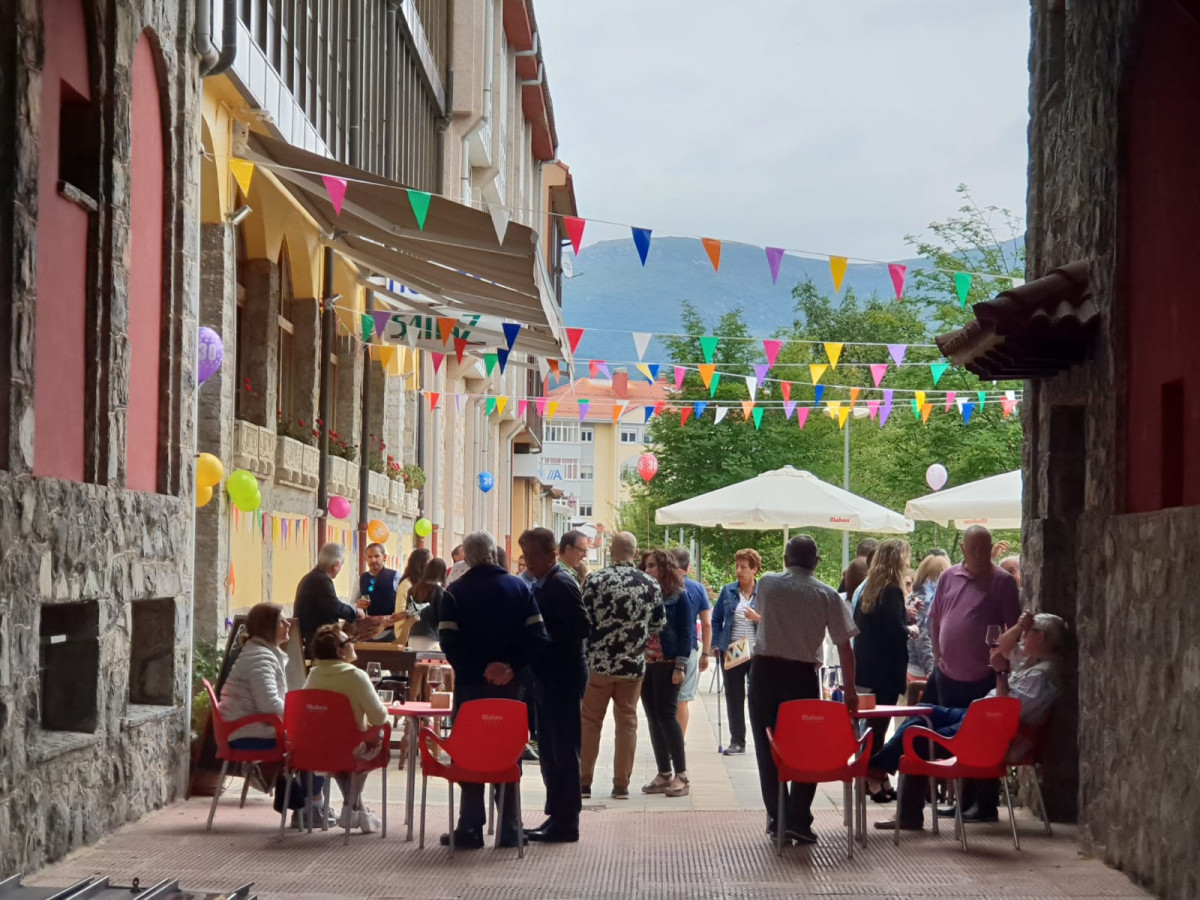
(210, 352)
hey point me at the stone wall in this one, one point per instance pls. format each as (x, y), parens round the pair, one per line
(1127, 583)
(78, 556)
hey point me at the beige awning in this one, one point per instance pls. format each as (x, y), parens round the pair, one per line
(455, 266)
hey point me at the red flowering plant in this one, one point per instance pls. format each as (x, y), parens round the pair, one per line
(395, 471)
(377, 455)
(342, 448)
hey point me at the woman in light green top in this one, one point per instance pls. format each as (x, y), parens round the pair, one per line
(334, 670)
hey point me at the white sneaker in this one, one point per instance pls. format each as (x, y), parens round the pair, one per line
(347, 819)
(368, 821)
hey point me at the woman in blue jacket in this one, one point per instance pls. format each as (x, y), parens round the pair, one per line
(667, 655)
(735, 617)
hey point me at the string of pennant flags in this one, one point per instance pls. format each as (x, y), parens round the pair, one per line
(284, 531)
(420, 202)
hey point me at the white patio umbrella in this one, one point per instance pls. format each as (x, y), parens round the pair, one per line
(994, 502)
(784, 498)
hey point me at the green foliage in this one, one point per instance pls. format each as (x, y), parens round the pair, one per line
(207, 659)
(886, 465)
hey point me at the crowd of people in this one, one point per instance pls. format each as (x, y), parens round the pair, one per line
(570, 642)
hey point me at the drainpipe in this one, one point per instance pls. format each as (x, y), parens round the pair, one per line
(325, 395)
(212, 61)
(354, 158)
(489, 67)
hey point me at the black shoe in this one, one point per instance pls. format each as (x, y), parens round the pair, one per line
(619, 793)
(947, 812)
(510, 840)
(884, 795)
(585, 791)
(464, 840)
(891, 825)
(974, 815)
(735, 750)
(553, 834)
(800, 835)
(530, 754)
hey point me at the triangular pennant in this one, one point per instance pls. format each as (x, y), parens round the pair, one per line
(460, 401)
(381, 318)
(834, 352)
(617, 411)
(574, 228)
(837, 269)
(419, 201)
(785, 388)
(854, 392)
(816, 370)
(543, 365)
(500, 219)
(641, 340)
(897, 270)
(511, 330)
(916, 408)
(368, 326)
(604, 370)
(818, 393)
(982, 395)
(489, 406)
(446, 325)
(760, 373)
(832, 407)
(648, 412)
(385, 356)
(502, 358)
(593, 368)
(721, 412)
(842, 416)
(555, 368)
(885, 414)
(802, 416)
(336, 188)
(897, 352)
(460, 345)
(1010, 395)
(878, 370)
(967, 411)
(925, 408)
(708, 346)
(920, 397)
(680, 374)
(706, 373)
(243, 172)
(433, 400)
(684, 413)
(771, 348)
(551, 409)
(712, 388)
(757, 413)
(583, 409)
(540, 403)
(873, 409)
(650, 371)
(960, 401)
(490, 359)
(937, 370)
(950, 395)
(621, 384)
(1008, 406)
(574, 335)
(962, 285)
(438, 359)
(789, 407)
(752, 387)
(641, 240)
(713, 248)
(659, 407)
(700, 406)
(522, 405)
(774, 258)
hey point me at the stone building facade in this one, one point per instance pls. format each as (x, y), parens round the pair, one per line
(98, 287)
(1112, 478)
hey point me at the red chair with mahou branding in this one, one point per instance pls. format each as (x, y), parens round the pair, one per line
(813, 742)
(243, 758)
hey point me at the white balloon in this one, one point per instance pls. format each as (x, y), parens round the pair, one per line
(936, 476)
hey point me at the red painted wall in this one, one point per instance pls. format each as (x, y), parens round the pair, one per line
(147, 183)
(1161, 191)
(61, 261)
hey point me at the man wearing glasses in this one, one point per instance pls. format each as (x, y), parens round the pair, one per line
(572, 551)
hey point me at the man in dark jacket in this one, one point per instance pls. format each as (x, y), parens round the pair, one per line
(561, 676)
(491, 631)
(317, 602)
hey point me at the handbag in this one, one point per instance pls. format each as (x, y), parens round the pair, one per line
(737, 653)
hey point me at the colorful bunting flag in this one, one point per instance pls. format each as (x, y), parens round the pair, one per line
(785, 388)
(854, 395)
(641, 340)
(460, 401)
(885, 413)
(491, 359)
(925, 408)
(818, 393)
(502, 358)
(574, 335)
(650, 371)
(789, 407)
(720, 414)
(771, 348)
(684, 413)
(708, 346)
(381, 318)
(920, 397)
(419, 201)
(1008, 406)
(433, 401)
(873, 409)
(368, 326)
(937, 370)
(501, 402)
(641, 240)
(834, 352)
(522, 405)
(878, 370)
(604, 370)
(446, 325)
(967, 411)
(837, 268)
(680, 374)
(843, 414)
(713, 248)
(982, 395)
(897, 271)
(460, 346)
(617, 411)
(438, 359)
(336, 188)
(583, 409)
(555, 368)
(774, 258)
(802, 416)
(700, 406)
(574, 228)
(489, 406)
(897, 352)
(658, 407)
(540, 403)
(511, 330)
(816, 370)
(962, 284)
(760, 373)
(950, 395)
(712, 388)
(593, 368)
(757, 412)
(243, 171)
(752, 387)
(649, 412)
(706, 373)
(916, 408)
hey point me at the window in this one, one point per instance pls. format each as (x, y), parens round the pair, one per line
(585, 510)
(70, 665)
(152, 653)
(559, 469)
(587, 435)
(630, 436)
(587, 473)
(562, 433)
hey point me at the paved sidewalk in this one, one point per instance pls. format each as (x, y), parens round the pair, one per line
(710, 844)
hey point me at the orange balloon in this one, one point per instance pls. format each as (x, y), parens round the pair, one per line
(377, 531)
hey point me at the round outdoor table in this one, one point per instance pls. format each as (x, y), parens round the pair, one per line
(413, 712)
(862, 717)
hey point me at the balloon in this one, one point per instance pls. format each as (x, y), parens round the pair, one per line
(423, 527)
(486, 481)
(936, 476)
(204, 493)
(209, 470)
(647, 466)
(241, 481)
(248, 501)
(377, 531)
(210, 351)
(339, 507)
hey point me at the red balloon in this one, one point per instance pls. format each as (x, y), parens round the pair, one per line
(647, 466)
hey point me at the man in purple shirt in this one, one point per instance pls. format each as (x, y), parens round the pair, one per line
(970, 597)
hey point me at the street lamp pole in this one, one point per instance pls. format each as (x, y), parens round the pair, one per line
(846, 485)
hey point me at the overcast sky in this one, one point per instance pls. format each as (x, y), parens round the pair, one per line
(836, 126)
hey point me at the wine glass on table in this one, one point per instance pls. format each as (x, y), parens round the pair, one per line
(375, 673)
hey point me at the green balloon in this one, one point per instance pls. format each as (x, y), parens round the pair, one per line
(241, 482)
(247, 501)
(423, 527)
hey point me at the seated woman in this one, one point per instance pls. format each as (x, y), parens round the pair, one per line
(257, 685)
(1031, 649)
(334, 670)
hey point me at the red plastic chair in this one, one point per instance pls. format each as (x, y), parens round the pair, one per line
(977, 750)
(1032, 758)
(484, 747)
(811, 743)
(221, 732)
(322, 735)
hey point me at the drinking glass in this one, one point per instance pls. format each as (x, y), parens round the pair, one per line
(993, 636)
(374, 672)
(385, 697)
